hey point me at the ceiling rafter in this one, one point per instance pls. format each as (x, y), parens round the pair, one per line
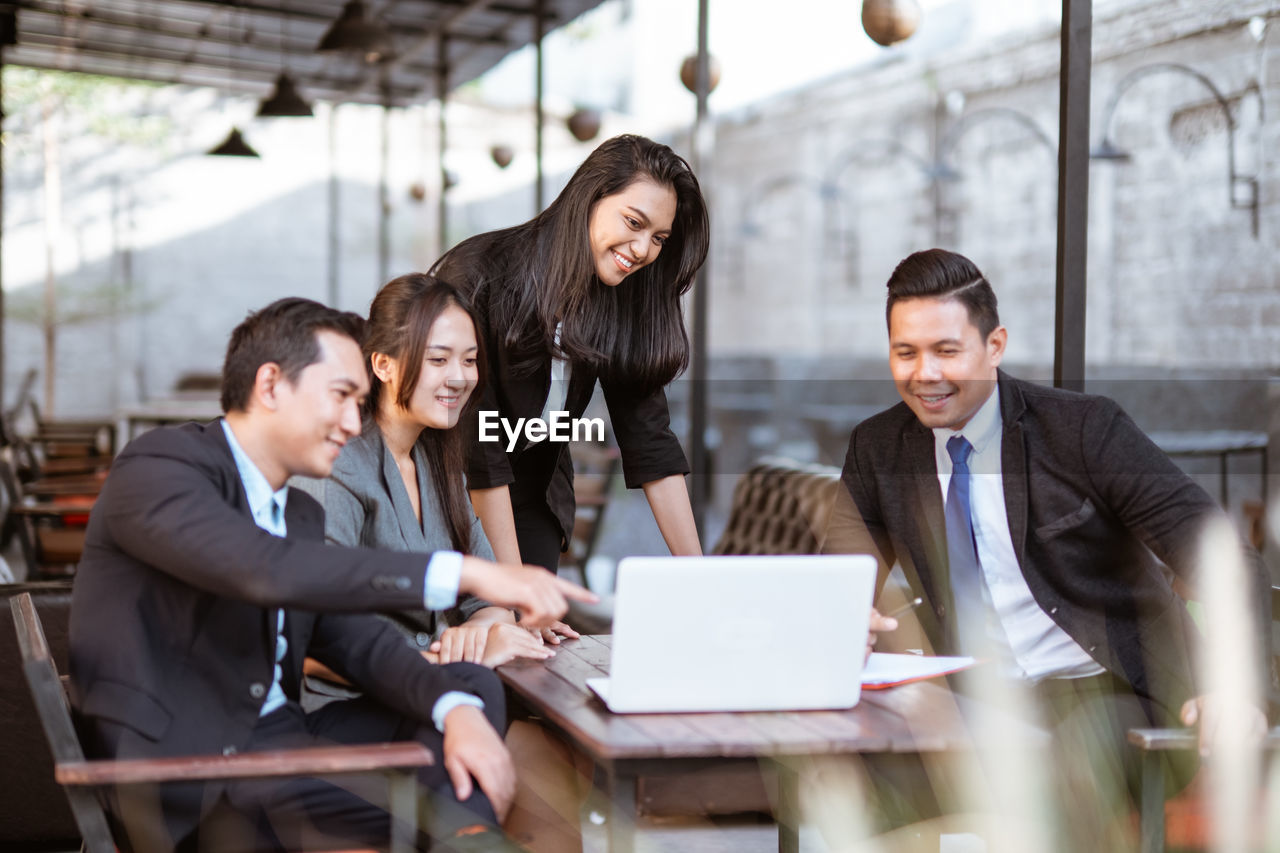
(243, 44)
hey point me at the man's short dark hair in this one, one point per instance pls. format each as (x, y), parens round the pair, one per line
(939, 274)
(284, 333)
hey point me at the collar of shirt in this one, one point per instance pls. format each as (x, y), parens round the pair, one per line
(256, 487)
(983, 430)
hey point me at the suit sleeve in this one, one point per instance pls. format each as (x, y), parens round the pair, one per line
(642, 424)
(1169, 513)
(487, 466)
(166, 511)
(856, 525)
(374, 656)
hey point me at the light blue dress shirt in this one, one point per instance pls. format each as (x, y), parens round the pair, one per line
(440, 584)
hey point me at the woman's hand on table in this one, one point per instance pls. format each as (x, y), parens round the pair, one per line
(553, 633)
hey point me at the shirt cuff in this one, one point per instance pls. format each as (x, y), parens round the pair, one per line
(448, 702)
(440, 586)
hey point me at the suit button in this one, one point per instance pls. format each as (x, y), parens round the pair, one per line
(1052, 611)
(942, 611)
(228, 750)
(423, 639)
(257, 690)
(402, 583)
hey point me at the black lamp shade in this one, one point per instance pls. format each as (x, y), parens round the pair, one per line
(233, 146)
(353, 33)
(284, 101)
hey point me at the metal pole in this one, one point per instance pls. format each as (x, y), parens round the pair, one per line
(442, 90)
(2, 305)
(698, 396)
(334, 201)
(539, 24)
(1073, 194)
(384, 196)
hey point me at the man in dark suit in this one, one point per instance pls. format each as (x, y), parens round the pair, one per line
(1040, 526)
(206, 581)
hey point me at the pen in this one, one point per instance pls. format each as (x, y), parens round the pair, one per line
(913, 603)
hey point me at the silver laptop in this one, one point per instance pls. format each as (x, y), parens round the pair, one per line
(738, 633)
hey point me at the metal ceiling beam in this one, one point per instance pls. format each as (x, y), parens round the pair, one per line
(163, 67)
(429, 39)
(444, 27)
(205, 30)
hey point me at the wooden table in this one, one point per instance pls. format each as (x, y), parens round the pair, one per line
(1220, 443)
(921, 717)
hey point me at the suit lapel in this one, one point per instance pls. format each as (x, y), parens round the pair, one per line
(931, 566)
(432, 512)
(410, 529)
(1013, 465)
(307, 526)
(239, 500)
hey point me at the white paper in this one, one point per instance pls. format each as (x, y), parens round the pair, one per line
(889, 669)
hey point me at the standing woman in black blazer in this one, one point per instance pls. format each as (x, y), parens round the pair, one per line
(588, 289)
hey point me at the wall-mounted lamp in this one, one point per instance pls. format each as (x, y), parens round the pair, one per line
(863, 147)
(942, 170)
(1242, 190)
(749, 227)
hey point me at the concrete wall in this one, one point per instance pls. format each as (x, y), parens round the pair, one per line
(817, 196)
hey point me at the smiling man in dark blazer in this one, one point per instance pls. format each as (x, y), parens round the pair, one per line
(206, 581)
(1039, 525)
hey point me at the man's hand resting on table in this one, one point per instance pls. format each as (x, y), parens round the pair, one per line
(877, 625)
(473, 750)
(1217, 715)
(539, 595)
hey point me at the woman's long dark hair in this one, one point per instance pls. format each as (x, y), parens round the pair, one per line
(399, 325)
(535, 273)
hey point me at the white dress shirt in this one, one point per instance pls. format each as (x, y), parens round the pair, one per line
(1040, 648)
(440, 585)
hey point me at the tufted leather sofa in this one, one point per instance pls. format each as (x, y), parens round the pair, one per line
(779, 507)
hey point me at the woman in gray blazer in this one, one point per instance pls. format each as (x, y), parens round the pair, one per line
(400, 484)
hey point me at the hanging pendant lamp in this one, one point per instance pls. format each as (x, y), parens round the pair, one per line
(233, 146)
(284, 101)
(354, 33)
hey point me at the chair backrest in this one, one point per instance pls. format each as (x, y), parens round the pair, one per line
(15, 525)
(55, 718)
(779, 507)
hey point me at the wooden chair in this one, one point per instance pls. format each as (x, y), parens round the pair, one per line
(50, 533)
(35, 814)
(81, 779)
(595, 467)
